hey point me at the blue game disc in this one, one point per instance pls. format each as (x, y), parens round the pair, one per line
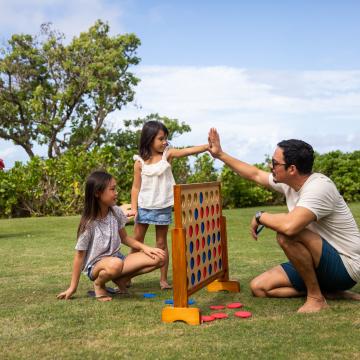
(149, 295)
(171, 302)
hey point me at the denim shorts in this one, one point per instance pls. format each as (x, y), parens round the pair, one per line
(154, 216)
(91, 267)
(331, 272)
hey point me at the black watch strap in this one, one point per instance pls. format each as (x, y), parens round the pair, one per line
(258, 216)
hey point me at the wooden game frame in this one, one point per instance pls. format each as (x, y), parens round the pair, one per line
(217, 282)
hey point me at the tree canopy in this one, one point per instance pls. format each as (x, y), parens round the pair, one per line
(59, 95)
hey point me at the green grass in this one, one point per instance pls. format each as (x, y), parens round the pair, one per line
(36, 263)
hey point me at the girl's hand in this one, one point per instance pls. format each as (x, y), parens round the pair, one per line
(66, 295)
(130, 213)
(154, 252)
(214, 143)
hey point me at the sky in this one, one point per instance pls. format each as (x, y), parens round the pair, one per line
(259, 71)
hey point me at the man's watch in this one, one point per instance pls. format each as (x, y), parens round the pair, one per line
(258, 216)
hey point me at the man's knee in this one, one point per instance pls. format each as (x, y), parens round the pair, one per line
(257, 287)
(283, 240)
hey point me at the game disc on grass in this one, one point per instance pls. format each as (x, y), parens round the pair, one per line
(217, 307)
(171, 302)
(235, 305)
(220, 315)
(149, 295)
(207, 318)
(243, 314)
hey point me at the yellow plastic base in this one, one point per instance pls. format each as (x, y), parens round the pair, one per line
(189, 315)
(217, 285)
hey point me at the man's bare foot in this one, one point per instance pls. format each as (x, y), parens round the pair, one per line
(313, 304)
(101, 293)
(164, 285)
(343, 295)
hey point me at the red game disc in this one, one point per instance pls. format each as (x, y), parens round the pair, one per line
(217, 307)
(235, 305)
(207, 318)
(243, 314)
(220, 315)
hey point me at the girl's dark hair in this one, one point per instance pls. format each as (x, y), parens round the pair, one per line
(148, 133)
(96, 183)
(298, 153)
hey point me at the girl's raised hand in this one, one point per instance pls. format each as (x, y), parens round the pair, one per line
(214, 143)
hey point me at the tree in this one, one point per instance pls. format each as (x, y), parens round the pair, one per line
(204, 170)
(60, 95)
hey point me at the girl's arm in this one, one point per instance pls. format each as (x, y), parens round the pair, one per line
(137, 245)
(77, 266)
(177, 153)
(135, 188)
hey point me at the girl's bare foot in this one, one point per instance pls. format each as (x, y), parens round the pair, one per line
(164, 285)
(313, 304)
(101, 293)
(122, 286)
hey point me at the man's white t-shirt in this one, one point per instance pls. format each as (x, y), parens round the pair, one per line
(334, 223)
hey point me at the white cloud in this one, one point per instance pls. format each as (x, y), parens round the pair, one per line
(253, 110)
(69, 17)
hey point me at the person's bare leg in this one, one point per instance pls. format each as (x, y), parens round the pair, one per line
(274, 283)
(104, 270)
(139, 234)
(161, 242)
(136, 264)
(304, 251)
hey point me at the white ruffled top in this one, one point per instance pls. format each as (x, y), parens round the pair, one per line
(157, 182)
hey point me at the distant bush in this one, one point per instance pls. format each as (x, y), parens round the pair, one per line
(344, 170)
(238, 192)
(56, 186)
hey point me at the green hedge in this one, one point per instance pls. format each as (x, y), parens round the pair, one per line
(55, 186)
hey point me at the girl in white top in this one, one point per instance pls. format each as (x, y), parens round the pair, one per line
(100, 234)
(152, 191)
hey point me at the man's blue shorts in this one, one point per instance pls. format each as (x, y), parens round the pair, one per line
(331, 272)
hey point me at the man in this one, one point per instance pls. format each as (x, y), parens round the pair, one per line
(318, 235)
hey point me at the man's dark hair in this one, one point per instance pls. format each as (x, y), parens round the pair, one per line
(298, 153)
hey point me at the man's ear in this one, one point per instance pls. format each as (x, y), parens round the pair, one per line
(293, 169)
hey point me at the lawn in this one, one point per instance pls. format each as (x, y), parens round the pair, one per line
(36, 263)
